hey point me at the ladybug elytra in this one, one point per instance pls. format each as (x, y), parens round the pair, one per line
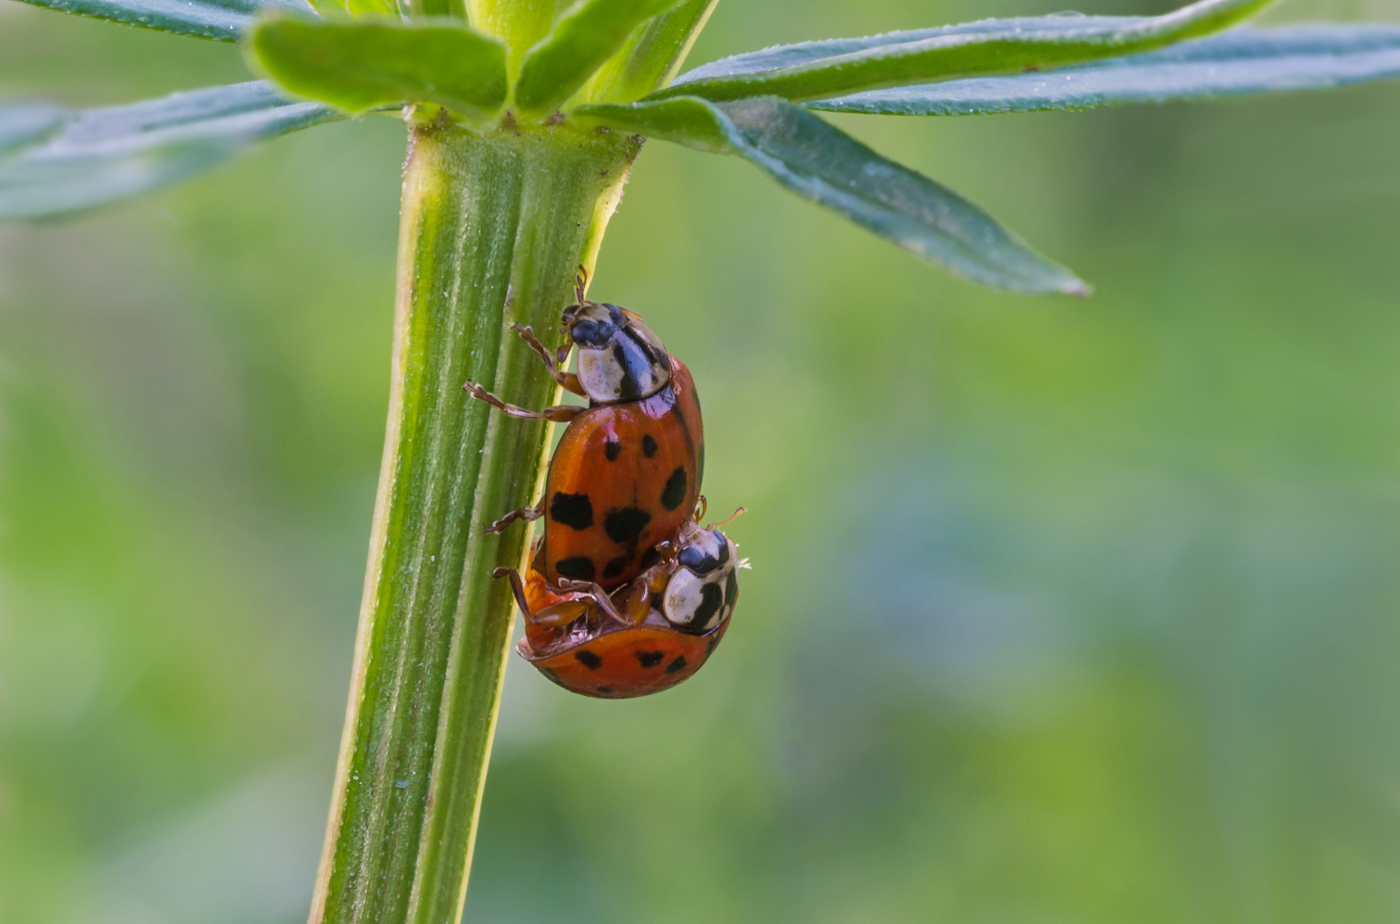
(642, 638)
(626, 473)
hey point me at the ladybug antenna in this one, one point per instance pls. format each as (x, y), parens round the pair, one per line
(580, 283)
(732, 517)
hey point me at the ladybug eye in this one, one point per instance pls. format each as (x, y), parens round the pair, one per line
(591, 333)
(692, 557)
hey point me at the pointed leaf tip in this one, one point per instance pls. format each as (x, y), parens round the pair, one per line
(837, 67)
(1242, 62)
(821, 163)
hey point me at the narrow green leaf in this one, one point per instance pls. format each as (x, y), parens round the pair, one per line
(25, 124)
(652, 55)
(362, 64)
(1240, 62)
(76, 160)
(820, 70)
(588, 33)
(221, 20)
(821, 163)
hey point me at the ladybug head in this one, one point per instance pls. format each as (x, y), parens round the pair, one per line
(619, 358)
(701, 593)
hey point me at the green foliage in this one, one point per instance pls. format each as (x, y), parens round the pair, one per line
(821, 163)
(23, 125)
(653, 54)
(54, 161)
(518, 23)
(1240, 62)
(821, 69)
(601, 53)
(501, 203)
(586, 35)
(366, 63)
(221, 20)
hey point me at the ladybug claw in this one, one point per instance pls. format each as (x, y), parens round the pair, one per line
(517, 588)
(528, 514)
(562, 413)
(555, 364)
(580, 283)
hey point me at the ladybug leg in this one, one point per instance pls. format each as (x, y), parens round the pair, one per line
(554, 364)
(517, 587)
(561, 614)
(554, 616)
(636, 602)
(528, 514)
(588, 589)
(562, 413)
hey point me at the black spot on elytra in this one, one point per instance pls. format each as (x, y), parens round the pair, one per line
(648, 446)
(550, 674)
(588, 659)
(606, 691)
(674, 492)
(700, 469)
(676, 666)
(574, 510)
(611, 448)
(580, 567)
(649, 658)
(649, 558)
(615, 567)
(625, 525)
(711, 645)
(731, 589)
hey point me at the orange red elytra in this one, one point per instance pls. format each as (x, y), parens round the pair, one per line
(626, 594)
(642, 638)
(626, 473)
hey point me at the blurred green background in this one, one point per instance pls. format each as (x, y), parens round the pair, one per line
(1061, 610)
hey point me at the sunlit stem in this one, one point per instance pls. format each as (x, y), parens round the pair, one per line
(493, 230)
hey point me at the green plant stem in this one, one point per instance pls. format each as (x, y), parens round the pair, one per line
(493, 228)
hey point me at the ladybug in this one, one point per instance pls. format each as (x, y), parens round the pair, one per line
(643, 638)
(626, 473)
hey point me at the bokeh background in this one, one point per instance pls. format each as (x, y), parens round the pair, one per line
(1061, 610)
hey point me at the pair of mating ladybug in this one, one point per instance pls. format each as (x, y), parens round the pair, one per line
(625, 594)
